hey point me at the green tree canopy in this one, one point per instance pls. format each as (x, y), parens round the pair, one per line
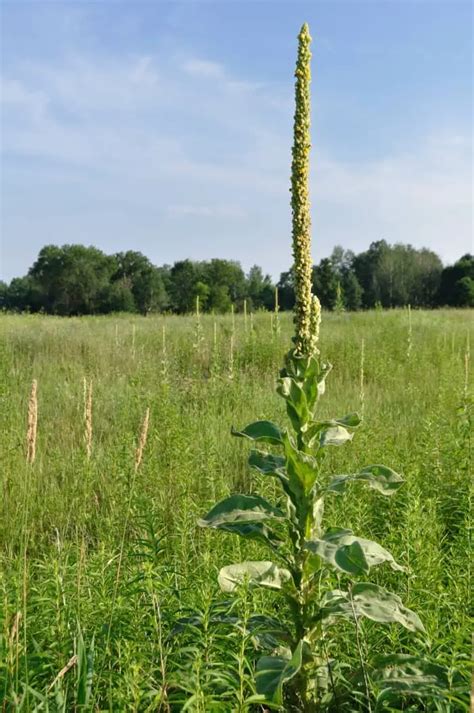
(74, 280)
(325, 281)
(456, 283)
(260, 289)
(144, 281)
(71, 279)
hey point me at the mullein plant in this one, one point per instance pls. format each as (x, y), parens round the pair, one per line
(305, 553)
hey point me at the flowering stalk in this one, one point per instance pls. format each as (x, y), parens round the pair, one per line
(307, 307)
(294, 673)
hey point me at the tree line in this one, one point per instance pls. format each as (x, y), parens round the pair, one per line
(78, 280)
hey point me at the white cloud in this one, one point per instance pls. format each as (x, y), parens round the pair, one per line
(422, 196)
(180, 158)
(203, 68)
(18, 98)
(207, 211)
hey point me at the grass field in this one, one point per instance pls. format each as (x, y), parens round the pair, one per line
(101, 562)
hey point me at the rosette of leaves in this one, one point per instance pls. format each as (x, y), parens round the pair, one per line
(302, 549)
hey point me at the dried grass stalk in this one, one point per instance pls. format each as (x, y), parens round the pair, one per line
(362, 378)
(88, 416)
(32, 423)
(164, 357)
(231, 357)
(142, 441)
(15, 629)
(72, 662)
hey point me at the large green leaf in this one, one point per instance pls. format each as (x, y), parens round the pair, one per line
(296, 403)
(274, 671)
(302, 468)
(334, 603)
(351, 558)
(266, 463)
(378, 477)
(398, 675)
(240, 508)
(371, 601)
(377, 604)
(309, 373)
(273, 466)
(350, 420)
(332, 432)
(350, 554)
(314, 375)
(256, 574)
(292, 391)
(321, 378)
(316, 386)
(264, 431)
(299, 367)
(244, 515)
(334, 436)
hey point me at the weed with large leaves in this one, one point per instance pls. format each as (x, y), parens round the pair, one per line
(304, 551)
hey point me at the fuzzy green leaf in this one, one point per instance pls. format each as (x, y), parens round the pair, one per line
(244, 515)
(266, 463)
(371, 601)
(350, 420)
(257, 574)
(240, 508)
(398, 675)
(274, 671)
(273, 466)
(334, 603)
(351, 558)
(295, 398)
(302, 468)
(334, 436)
(313, 374)
(350, 554)
(321, 379)
(309, 373)
(264, 431)
(378, 477)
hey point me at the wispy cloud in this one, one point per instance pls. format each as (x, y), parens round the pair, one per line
(421, 196)
(181, 158)
(17, 98)
(203, 68)
(207, 211)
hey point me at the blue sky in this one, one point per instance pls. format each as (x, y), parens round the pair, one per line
(166, 127)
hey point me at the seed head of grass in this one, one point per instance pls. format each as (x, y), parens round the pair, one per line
(32, 423)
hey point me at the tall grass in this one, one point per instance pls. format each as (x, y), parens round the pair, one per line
(101, 560)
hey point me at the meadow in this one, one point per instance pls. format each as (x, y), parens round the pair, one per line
(109, 597)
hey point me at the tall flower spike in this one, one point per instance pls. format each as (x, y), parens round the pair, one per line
(314, 325)
(307, 311)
